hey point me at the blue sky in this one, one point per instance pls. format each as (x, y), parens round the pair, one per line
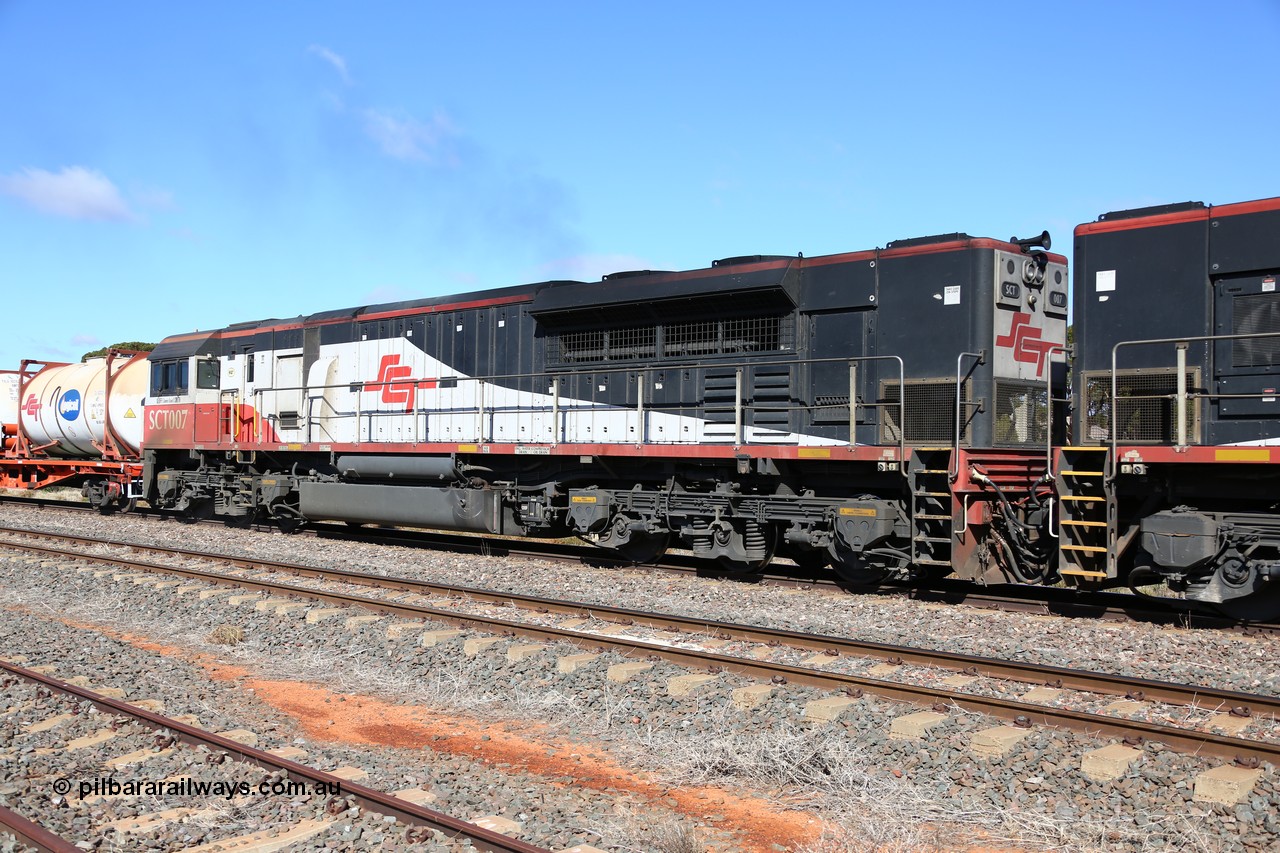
(169, 166)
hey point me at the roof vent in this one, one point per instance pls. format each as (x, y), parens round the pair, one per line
(749, 259)
(631, 274)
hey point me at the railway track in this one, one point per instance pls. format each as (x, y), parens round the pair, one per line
(175, 734)
(687, 650)
(1108, 606)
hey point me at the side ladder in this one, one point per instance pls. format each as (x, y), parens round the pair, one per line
(1086, 515)
(931, 502)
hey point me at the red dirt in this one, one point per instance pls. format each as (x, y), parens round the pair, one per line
(358, 719)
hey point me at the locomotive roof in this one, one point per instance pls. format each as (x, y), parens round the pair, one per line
(764, 279)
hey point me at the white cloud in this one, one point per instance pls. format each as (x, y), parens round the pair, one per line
(334, 59)
(409, 139)
(75, 193)
(154, 199)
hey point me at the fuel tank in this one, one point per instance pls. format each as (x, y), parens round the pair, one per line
(66, 408)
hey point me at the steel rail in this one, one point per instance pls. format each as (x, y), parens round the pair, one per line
(370, 798)
(1110, 606)
(33, 834)
(1030, 673)
(1178, 739)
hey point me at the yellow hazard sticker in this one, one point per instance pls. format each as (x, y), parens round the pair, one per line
(467, 448)
(128, 413)
(583, 499)
(1253, 454)
(814, 453)
(857, 510)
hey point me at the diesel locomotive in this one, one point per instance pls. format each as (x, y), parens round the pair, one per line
(900, 412)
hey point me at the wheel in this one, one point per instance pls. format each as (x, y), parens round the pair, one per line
(641, 550)
(866, 569)
(239, 522)
(860, 574)
(199, 509)
(1261, 606)
(290, 524)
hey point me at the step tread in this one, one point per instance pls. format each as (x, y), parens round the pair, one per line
(1082, 573)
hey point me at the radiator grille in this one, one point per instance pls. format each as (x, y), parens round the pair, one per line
(930, 412)
(1145, 408)
(1022, 415)
(683, 341)
(1253, 314)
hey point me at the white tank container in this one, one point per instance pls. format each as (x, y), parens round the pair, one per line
(8, 398)
(8, 408)
(69, 405)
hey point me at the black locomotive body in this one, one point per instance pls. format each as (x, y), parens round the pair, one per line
(1177, 319)
(887, 410)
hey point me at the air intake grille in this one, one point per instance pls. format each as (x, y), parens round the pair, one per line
(831, 409)
(930, 412)
(1021, 414)
(688, 340)
(1145, 408)
(1259, 312)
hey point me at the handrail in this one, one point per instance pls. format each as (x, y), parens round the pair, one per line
(1182, 395)
(981, 358)
(485, 408)
(1049, 401)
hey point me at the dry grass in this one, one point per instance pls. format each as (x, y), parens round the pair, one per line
(834, 777)
(226, 635)
(675, 838)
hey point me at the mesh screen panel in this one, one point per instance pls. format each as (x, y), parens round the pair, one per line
(930, 412)
(1145, 407)
(1021, 414)
(1259, 312)
(689, 339)
(684, 340)
(578, 347)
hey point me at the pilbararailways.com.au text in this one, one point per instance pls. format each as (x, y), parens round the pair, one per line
(110, 786)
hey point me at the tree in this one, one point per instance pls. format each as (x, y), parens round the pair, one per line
(137, 346)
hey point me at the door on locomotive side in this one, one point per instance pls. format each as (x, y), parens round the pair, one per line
(1030, 330)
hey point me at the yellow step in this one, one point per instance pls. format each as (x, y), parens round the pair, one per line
(932, 494)
(1092, 549)
(1082, 497)
(1083, 473)
(1092, 448)
(1084, 523)
(1082, 573)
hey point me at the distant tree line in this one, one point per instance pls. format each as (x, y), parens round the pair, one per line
(138, 346)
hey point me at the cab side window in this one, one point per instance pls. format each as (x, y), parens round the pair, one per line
(208, 373)
(169, 378)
